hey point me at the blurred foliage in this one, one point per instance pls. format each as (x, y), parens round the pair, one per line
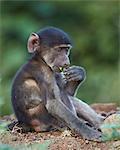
(114, 135)
(93, 27)
(3, 126)
(34, 146)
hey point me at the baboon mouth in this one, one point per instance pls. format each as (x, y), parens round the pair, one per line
(58, 69)
(61, 69)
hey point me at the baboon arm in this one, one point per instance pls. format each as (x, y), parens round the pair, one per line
(71, 87)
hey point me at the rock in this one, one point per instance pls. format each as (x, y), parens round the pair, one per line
(111, 126)
(104, 107)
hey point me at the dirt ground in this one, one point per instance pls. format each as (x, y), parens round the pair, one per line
(55, 140)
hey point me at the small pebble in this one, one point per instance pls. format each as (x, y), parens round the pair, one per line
(86, 141)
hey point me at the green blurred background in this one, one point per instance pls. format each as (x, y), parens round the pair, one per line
(93, 27)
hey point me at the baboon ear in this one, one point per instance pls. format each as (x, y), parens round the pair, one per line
(33, 42)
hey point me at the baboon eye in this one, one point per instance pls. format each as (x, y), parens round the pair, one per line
(66, 49)
(59, 49)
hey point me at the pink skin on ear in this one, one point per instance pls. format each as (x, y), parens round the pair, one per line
(33, 43)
